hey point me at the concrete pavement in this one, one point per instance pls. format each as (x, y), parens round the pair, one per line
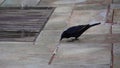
(98, 47)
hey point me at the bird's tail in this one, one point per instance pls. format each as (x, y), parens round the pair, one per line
(95, 24)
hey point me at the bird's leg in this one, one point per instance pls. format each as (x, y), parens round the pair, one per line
(76, 38)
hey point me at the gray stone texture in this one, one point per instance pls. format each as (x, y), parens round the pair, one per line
(92, 50)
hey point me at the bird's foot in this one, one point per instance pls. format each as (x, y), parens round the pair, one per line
(76, 39)
(72, 40)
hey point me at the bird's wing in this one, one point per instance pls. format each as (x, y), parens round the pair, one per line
(74, 29)
(82, 27)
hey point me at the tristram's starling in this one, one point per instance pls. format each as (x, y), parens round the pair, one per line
(76, 31)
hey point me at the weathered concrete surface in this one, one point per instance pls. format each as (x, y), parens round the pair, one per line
(79, 1)
(116, 16)
(96, 38)
(67, 10)
(116, 1)
(57, 22)
(92, 50)
(49, 36)
(19, 3)
(115, 6)
(17, 55)
(87, 16)
(11, 3)
(71, 2)
(81, 66)
(1, 1)
(115, 29)
(78, 53)
(116, 51)
(49, 40)
(59, 18)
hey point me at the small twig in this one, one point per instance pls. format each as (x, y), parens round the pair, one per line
(54, 53)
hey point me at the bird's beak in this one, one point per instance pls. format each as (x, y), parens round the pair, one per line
(61, 39)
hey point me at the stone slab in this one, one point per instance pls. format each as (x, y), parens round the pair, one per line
(94, 38)
(97, 1)
(12, 3)
(93, 6)
(68, 1)
(116, 29)
(72, 53)
(20, 3)
(17, 55)
(116, 16)
(99, 38)
(81, 66)
(63, 10)
(79, 1)
(37, 65)
(115, 6)
(32, 56)
(48, 39)
(116, 52)
(44, 3)
(30, 3)
(116, 1)
(87, 16)
(57, 22)
(1, 1)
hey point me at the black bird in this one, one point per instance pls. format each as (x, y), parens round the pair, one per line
(76, 31)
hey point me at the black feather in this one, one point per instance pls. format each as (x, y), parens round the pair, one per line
(76, 31)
